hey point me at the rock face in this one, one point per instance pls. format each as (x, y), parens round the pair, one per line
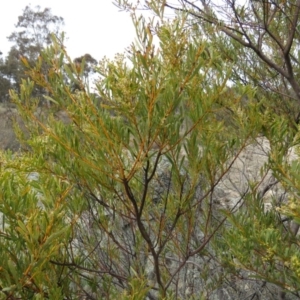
(249, 168)
(9, 115)
(246, 169)
(8, 140)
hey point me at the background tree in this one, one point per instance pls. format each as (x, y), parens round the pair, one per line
(34, 29)
(5, 84)
(86, 66)
(32, 35)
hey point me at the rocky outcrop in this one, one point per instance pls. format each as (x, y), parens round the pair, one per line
(249, 168)
(8, 140)
(9, 115)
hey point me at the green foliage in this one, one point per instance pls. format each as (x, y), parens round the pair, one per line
(34, 230)
(118, 200)
(139, 167)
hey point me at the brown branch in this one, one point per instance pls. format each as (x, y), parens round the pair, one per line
(74, 265)
(144, 233)
(294, 22)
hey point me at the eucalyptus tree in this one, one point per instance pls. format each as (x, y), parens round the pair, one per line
(5, 84)
(86, 65)
(33, 31)
(32, 35)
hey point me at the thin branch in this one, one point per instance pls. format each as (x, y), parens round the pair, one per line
(292, 30)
